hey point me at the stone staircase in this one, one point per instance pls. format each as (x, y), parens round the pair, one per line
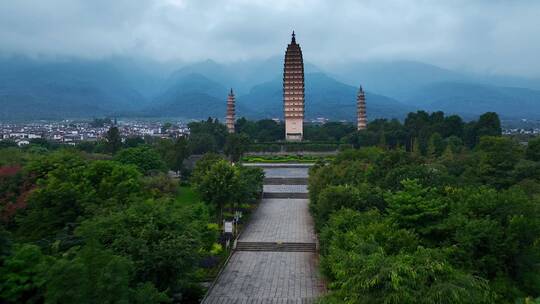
(275, 258)
(220, 300)
(276, 246)
(285, 195)
(285, 181)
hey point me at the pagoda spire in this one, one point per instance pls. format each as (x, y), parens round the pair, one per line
(230, 118)
(293, 91)
(361, 110)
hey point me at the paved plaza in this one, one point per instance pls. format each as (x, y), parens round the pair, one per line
(281, 220)
(285, 172)
(268, 276)
(285, 188)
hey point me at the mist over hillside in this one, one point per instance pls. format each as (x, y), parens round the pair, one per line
(75, 88)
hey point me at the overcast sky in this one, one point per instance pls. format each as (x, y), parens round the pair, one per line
(488, 36)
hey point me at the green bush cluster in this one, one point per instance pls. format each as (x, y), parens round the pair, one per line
(225, 186)
(398, 227)
(78, 230)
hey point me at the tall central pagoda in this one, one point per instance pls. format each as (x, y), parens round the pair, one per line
(293, 92)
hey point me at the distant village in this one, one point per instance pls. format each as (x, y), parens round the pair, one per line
(73, 132)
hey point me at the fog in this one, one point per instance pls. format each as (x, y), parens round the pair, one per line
(494, 37)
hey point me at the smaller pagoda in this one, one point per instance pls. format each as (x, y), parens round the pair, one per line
(361, 109)
(231, 115)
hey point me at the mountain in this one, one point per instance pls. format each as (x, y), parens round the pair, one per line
(325, 97)
(471, 99)
(77, 88)
(242, 76)
(425, 86)
(402, 80)
(191, 96)
(59, 89)
(394, 79)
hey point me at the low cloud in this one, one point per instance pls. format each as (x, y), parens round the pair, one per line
(484, 36)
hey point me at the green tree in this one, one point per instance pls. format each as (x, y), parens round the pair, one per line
(91, 276)
(73, 191)
(370, 260)
(181, 152)
(488, 124)
(453, 126)
(133, 141)
(455, 144)
(173, 152)
(235, 146)
(334, 198)
(422, 276)
(164, 240)
(201, 143)
(533, 149)
(436, 145)
(113, 139)
(497, 158)
(417, 208)
(203, 165)
(95, 275)
(495, 234)
(219, 186)
(250, 184)
(145, 158)
(268, 130)
(209, 131)
(21, 275)
(8, 144)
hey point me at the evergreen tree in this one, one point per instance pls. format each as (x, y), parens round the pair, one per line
(436, 145)
(114, 141)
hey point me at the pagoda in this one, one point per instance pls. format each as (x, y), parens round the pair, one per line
(293, 92)
(231, 115)
(361, 109)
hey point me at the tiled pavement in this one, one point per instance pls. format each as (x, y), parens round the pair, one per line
(286, 188)
(281, 220)
(285, 172)
(268, 275)
(273, 277)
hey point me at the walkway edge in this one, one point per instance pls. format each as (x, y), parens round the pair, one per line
(233, 250)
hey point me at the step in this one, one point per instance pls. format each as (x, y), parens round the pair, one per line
(286, 181)
(276, 246)
(285, 188)
(279, 165)
(255, 300)
(285, 195)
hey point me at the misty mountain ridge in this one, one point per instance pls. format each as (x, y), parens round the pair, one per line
(74, 88)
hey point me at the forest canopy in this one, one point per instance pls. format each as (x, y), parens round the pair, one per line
(460, 225)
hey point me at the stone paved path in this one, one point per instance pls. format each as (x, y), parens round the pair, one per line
(281, 220)
(285, 172)
(273, 277)
(286, 188)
